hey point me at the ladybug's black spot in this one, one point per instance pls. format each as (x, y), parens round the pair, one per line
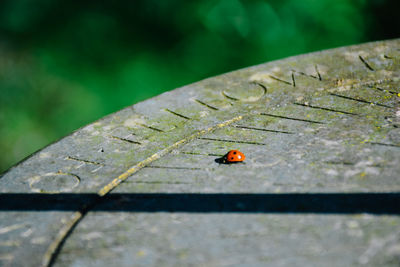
(234, 152)
(232, 158)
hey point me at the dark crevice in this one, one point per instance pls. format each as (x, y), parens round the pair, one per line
(365, 63)
(232, 141)
(261, 129)
(125, 140)
(360, 100)
(290, 118)
(205, 104)
(84, 161)
(177, 114)
(324, 108)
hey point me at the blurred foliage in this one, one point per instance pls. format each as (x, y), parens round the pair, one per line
(64, 64)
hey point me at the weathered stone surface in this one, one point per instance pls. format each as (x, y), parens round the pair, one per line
(319, 187)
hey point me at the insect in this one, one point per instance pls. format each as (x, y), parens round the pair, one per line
(234, 156)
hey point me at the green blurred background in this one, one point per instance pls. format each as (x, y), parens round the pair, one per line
(64, 64)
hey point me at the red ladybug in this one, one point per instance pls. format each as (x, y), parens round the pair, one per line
(234, 156)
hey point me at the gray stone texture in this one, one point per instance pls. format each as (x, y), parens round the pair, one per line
(315, 129)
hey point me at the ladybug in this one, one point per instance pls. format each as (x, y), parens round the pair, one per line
(234, 156)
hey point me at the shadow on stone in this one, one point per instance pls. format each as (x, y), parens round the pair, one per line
(320, 203)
